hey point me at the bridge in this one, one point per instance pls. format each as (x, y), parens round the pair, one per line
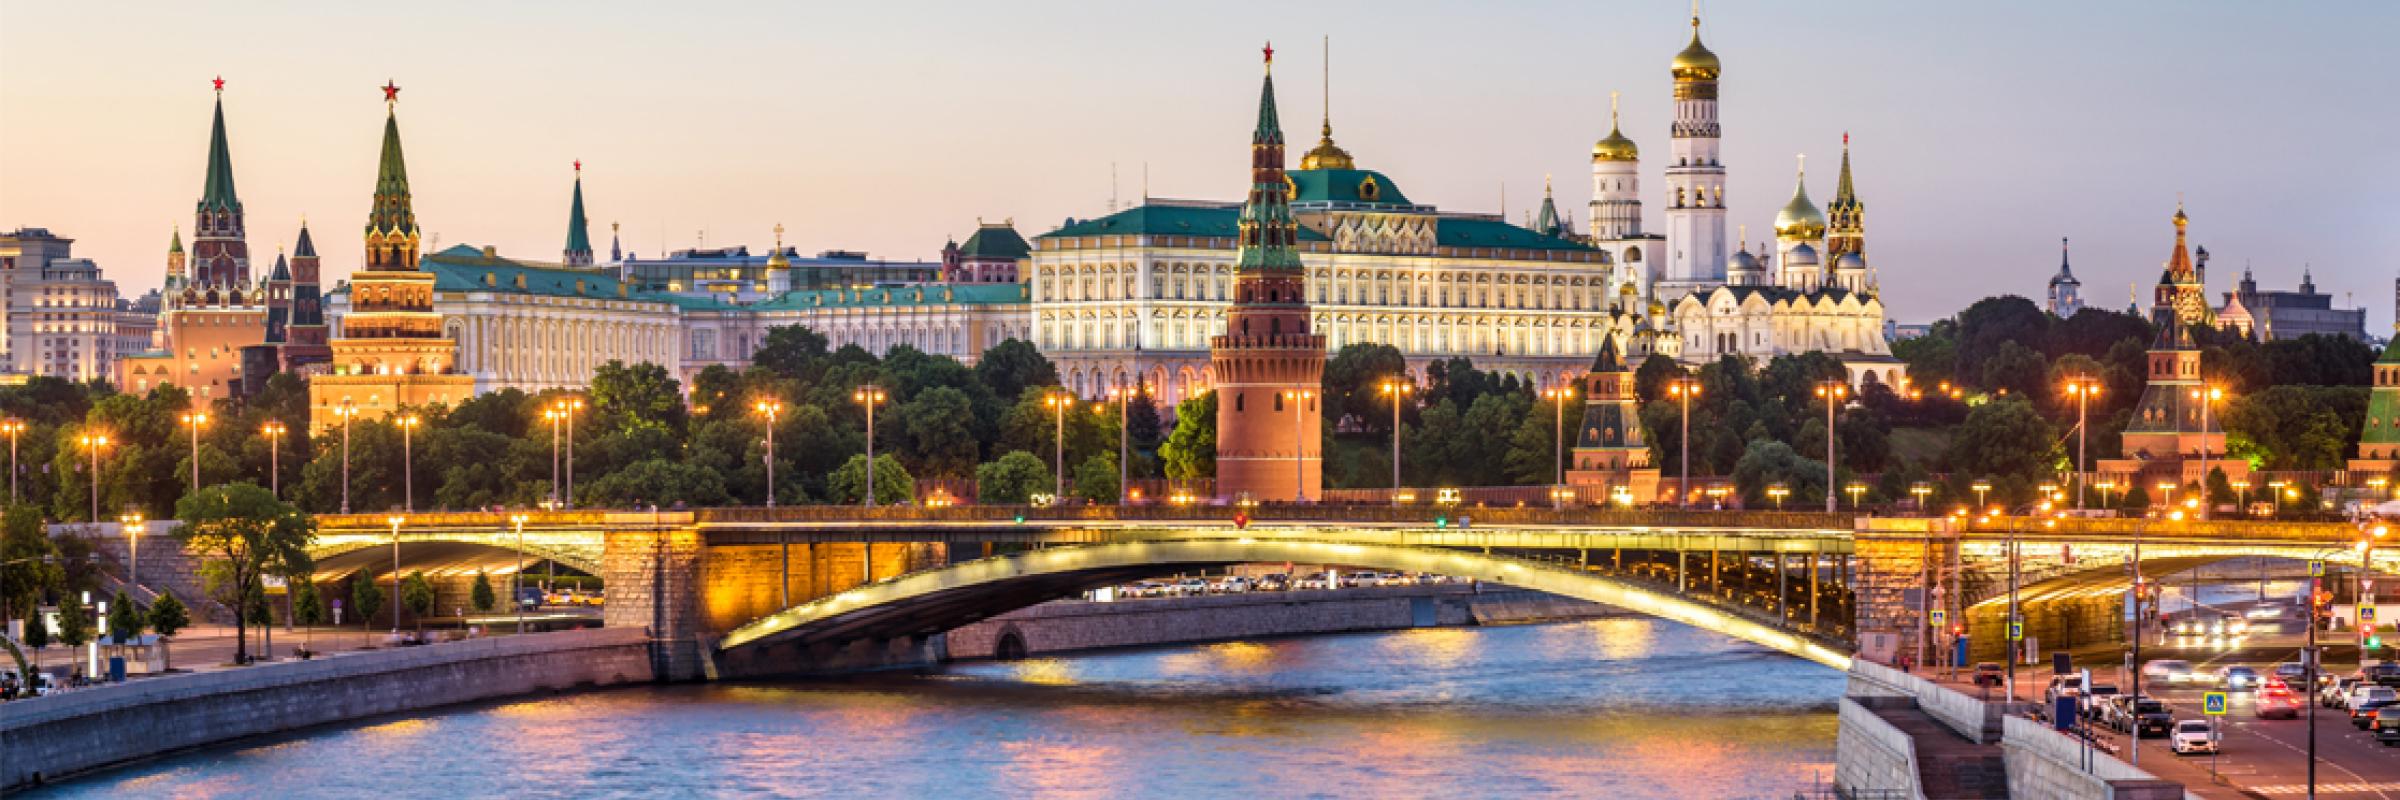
(753, 591)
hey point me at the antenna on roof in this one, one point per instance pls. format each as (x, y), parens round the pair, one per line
(1145, 182)
(1112, 187)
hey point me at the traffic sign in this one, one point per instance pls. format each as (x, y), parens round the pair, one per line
(2214, 703)
(1940, 618)
(2316, 569)
(2366, 617)
(2016, 630)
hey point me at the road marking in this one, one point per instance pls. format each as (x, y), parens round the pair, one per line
(2329, 788)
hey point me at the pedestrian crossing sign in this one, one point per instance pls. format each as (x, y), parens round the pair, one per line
(2316, 569)
(1940, 618)
(2214, 703)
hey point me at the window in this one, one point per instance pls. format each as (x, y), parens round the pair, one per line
(1237, 401)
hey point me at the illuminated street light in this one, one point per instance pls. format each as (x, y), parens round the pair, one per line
(2168, 487)
(1558, 397)
(1981, 487)
(274, 431)
(1299, 400)
(1778, 492)
(2208, 397)
(869, 395)
(2105, 487)
(566, 407)
(1856, 490)
(348, 410)
(94, 443)
(408, 461)
(14, 428)
(1832, 391)
(1683, 390)
(1398, 390)
(516, 580)
(1124, 397)
(771, 409)
(1920, 489)
(1059, 402)
(396, 521)
(195, 420)
(2241, 489)
(131, 523)
(2083, 389)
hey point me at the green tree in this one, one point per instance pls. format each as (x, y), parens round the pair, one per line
(629, 396)
(74, 629)
(941, 440)
(366, 598)
(1766, 463)
(245, 533)
(30, 558)
(124, 620)
(1354, 379)
(1190, 452)
(1534, 455)
(308, 608)
(168, 617)
(481, 596)
(1985, 327)
(893, 485)
(2015, 368)
(416, 593)
(1012, 366)
(2008, 440)
(792, 351)
(1013, 479)
(37, 636)
(655, 481)
(1096, 479)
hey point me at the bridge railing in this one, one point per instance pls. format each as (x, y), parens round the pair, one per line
(1453, 516)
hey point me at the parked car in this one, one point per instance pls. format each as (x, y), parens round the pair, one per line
(2144, 718)
(1191, 587)
(2363, 713)
(2169, 671)
(2193, 736)
(1988, 673)
(2291, 672)
(2387, 674)
(2098, 694)
(2238, 679)
(1232, 585)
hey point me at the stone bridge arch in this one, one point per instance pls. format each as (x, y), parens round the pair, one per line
(928, 602)
(582, 552)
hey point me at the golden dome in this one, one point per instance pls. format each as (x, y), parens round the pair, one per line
(1657, 309)
(775, 259)
(1327, 155)
(1800, 218)
(1696, 63)
(1615, 148)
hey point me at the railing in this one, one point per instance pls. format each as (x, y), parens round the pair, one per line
(1423, 515)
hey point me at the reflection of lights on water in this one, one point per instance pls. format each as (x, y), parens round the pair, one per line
(1046, 672)
(1436, 647)
(1245, 656)
(398, 729)
(1624, 639)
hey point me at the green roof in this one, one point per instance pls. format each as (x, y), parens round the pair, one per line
(1345, 186)
(391, 212)
(928, 295)
(579, 236)
(462, 268)
(1167, 220)
(993, 242)
(1480, 232)
(217, 192)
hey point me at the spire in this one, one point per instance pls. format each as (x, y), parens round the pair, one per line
(216, 192)
(1549, 223)
(1608, 360)
(283, 269)
(1270, 127)
(1843, 193)
(307, 248)
(1268, 231)
(579, 237)
(392, 232)
(175, 244)
(1327, 155)
(616, 254)
(2064, 271)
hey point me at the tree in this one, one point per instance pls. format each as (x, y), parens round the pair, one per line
(367, 598)
(1190, 453)
(167, 617)
(1013, 479)
(893, 485)
(643, 395)
(31, 565)
(792, 351)
(2008, 440)
(243, 531)
(1533, 448)
(941, 437)
(655, 481)
(124, 621)
(1096, 479)
(1992, 322)
(1766, 463)
(1650, 381)
(308, 607)
(1147, 429)
(74, 629)
(1353, 385)
(2015, 368)
(37, 636)
(1013, 365)
(416, 593)
(482, 596)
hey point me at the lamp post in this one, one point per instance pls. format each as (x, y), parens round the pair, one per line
(408, 461)
(1396, 389)
(772, 409)
(1124, 397)
(1558, 398)
(516, 578)
(194, 421)
(1059, 401)
(869, 395)
(1833, 391)
(1982, 488)
(395, 520)
(346, 411)
(1855, 489)
(2207, 396)
(2168, 488)
(2083, 389)
(13, 428)
(2105, 487)
(566, 410)
(1778, 492)
(554, 416)
(274, 431)
(2275, 488)
(1920, 489)
(2241, 495)
(131, 522)
(1299, 400)
(94, 443)
(1683, 390)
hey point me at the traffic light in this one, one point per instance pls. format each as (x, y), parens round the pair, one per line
(1020, 519)
(1442, 521)
(2374, 642)
(1241, 519)
(1958, 629)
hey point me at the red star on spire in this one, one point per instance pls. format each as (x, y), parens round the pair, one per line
(578, 165)
(1845, 138)
(1270, 51)
(220, 83)
(391, 92)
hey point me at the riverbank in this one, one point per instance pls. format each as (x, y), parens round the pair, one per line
(52, 737)
(1069, 626)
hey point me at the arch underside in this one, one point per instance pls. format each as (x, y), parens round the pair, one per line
(445, 549)
(944, 598)
(2111, 578)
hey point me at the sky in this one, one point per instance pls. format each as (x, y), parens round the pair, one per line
(1982, 132)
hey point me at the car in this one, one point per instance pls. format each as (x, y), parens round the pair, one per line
(1191, 587)
(2336, 692)
(2368, 693)
(1988, 673)
(2098, 694)
(2233, 626)
(2263, 612)
(2387, 730)
(2169, 671)
(1274, 582)
(2275, 703)
(2193, 736)
(2363, 714)
(2187, 627)
(2238, 679)
(1231, 585)
(2387, 674)
(2291, 672)
(2143, 718)
(529, 598)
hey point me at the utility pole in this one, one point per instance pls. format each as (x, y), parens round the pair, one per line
(1396, 389)
(1558, 398)
(1059, 401)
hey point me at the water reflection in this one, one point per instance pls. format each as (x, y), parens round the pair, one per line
(1617, 708)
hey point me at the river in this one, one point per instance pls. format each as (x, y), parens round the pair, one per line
(1616, 708)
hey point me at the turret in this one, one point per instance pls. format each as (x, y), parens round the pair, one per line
(1616, 211)
(579, 236)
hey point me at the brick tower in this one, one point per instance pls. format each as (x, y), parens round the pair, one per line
(220, 256)
(2379, 436)
(1610, 450)
(1269, 368)
(305, 341)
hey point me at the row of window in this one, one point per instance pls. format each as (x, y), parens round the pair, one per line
(1440, 290)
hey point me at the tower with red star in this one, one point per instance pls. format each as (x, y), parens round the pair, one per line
(1269, 367)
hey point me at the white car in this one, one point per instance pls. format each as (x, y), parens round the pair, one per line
(2193, 736)
(2169, 671)
(2369, 693)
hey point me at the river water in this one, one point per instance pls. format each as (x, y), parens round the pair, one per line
(1616, 708)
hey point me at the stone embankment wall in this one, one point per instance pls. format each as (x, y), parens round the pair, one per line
(50, 737)
(2045, 763)
(1068, 626)
(1874, 755)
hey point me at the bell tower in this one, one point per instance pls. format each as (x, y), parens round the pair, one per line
(1269, 367)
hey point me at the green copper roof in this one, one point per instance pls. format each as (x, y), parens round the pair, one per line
(175, 245)
(1548, 223)
(899, 296)
(464, 268)
(1480, 232)
(1166, 220)
(1267, 228)
(1345, 186)
(579, 235)
(392, 211)
(2391, 353)
(2382, 424)
(216, 193)
(994, 241)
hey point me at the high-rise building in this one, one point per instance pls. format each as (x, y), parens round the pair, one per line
(2066, 293)
(391, 350)
(1269, 367)
(62, 315)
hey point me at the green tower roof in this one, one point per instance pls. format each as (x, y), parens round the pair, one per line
(579, 235)
(216, 192)
(392, 211)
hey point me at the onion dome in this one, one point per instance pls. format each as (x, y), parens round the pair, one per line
(1802, 256)
(1696, 63)
(1616, 147)
(1800, 218)
(775, 258)
(1849, 262)
(1327, 155)
(1743, 261)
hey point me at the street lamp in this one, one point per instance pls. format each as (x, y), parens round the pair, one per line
(194, 421)
(94, 443)
(408, 462)
(2207, 397)
(1299, 400)
(1558, 398)
(395, 520)
(1396, 389)
(1124, 397)
(554, 416)
(346, 411)
(1855, 489)
(2168, 488)
(2275, 490)
(1683, 390)
(2083, 389)
(1778, 491)
(1920, 489)
(13, 428)
(131, 522)
(1832, 391)
(567, 406)
(1059, 402)
(274, 431)
(1981, 487)
(516, 579)
(771, 409)
(2105, 487)
(869, 395)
